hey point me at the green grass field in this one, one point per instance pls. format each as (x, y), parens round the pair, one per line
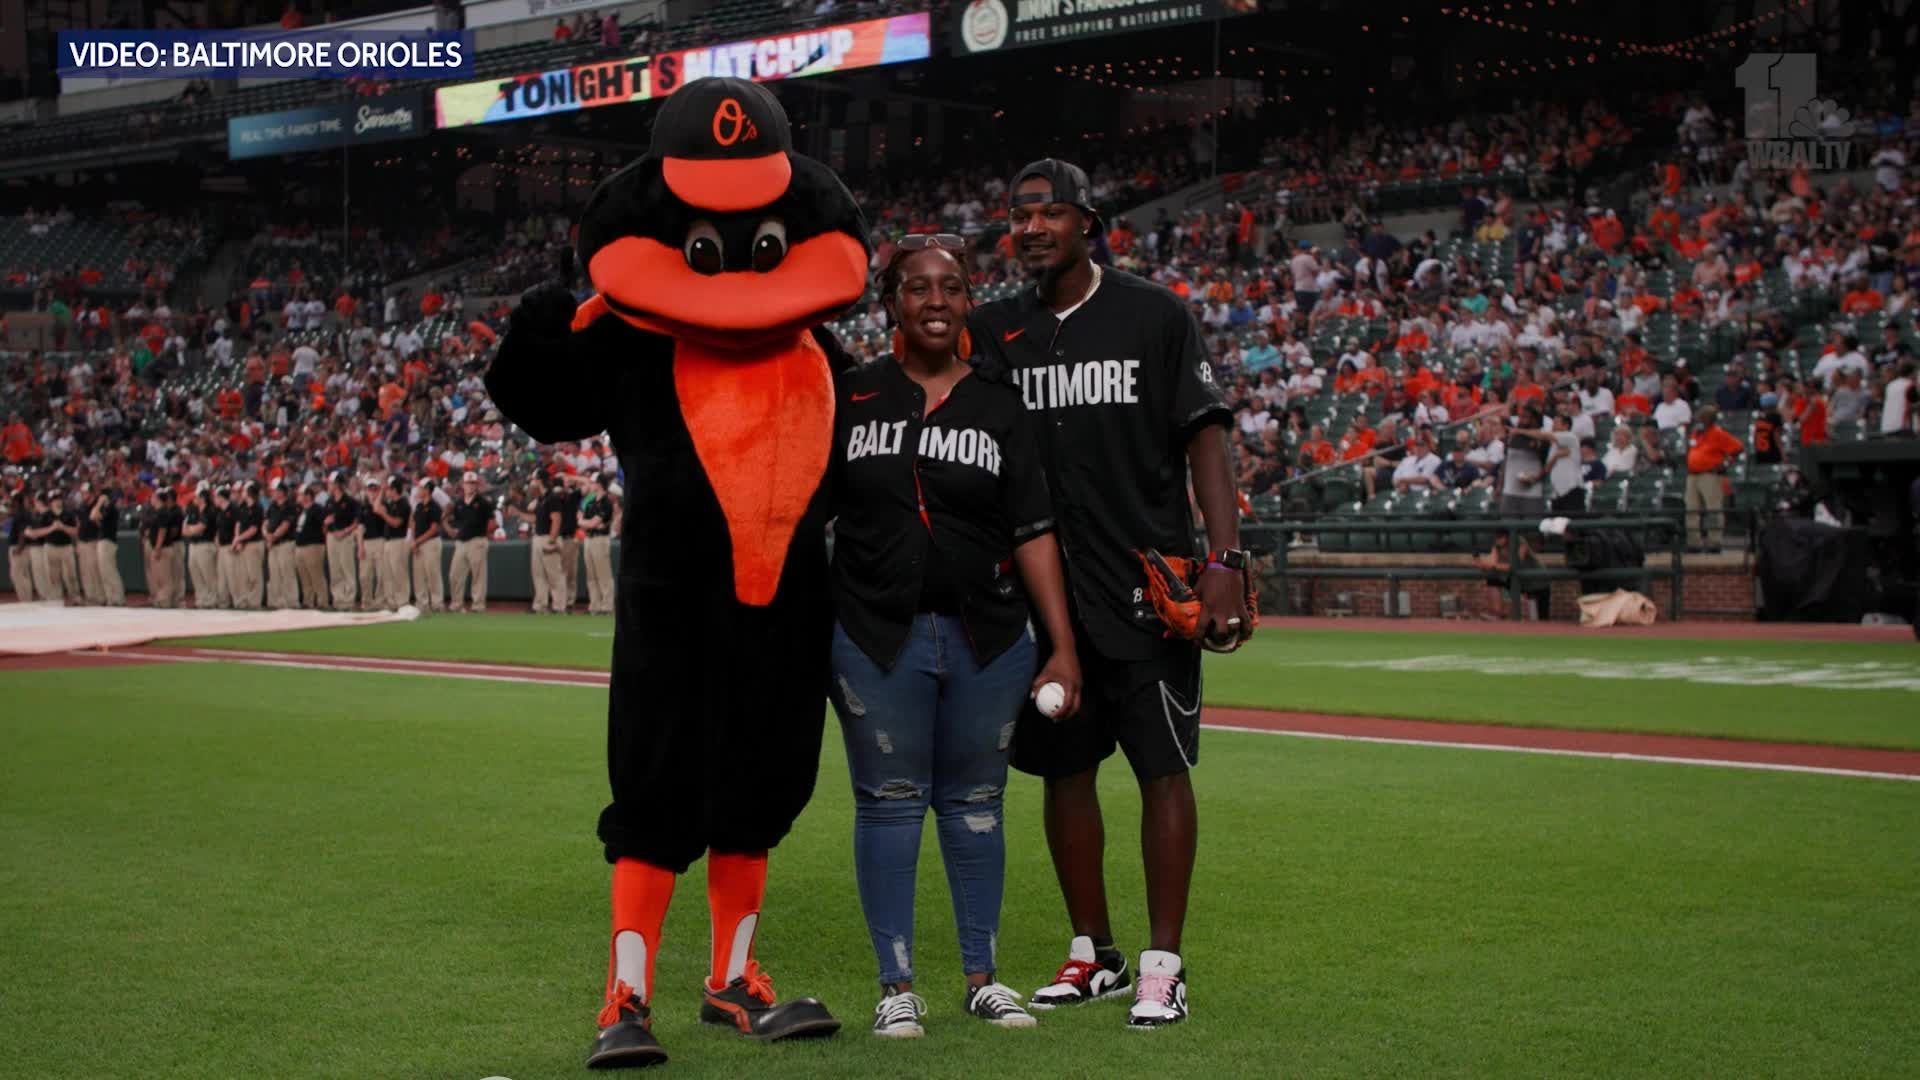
(1757, 689)
(225, 871)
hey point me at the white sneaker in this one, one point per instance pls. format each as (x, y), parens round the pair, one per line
(998, 1006)
(1162, 996)
(898, 1015)
(1082, 979)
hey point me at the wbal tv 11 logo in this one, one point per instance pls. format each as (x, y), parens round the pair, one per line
(1788, 125)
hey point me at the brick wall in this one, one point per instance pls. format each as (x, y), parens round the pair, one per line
(1720, 584)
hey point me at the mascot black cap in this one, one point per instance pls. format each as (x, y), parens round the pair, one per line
(723, 145)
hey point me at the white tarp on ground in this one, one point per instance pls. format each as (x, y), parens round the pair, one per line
(32, 629)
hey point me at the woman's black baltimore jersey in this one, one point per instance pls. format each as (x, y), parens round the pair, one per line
(1118, 388)
(930, 503)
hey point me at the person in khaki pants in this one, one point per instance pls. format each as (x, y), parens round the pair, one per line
(342, 521)
(38, 521)
(550, 540)
(225, 556)
(105, 513)
(283, 583)
(596, 520)
(58, 526)
(249, 550)
(527, 509)
(310, 551)
(1707, 459)
(20, 549)
(570, 539)
(394, 571)
(86, 547)
(372, 546)
(163, 539)
(470, 523)
(203, 566)
(429, 588)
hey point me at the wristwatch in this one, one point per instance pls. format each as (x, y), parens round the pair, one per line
(1231, 558)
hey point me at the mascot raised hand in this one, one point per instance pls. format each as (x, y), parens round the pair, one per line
(714, 260)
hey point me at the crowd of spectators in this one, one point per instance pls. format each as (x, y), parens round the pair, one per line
(1526, 334)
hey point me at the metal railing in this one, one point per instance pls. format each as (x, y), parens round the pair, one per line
(1668, 526)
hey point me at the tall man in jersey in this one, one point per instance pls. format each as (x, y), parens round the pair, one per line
(1116, 370)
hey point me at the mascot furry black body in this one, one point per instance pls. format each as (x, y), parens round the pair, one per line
(714, 259)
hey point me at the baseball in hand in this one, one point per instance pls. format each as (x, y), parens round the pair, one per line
(1050, 699)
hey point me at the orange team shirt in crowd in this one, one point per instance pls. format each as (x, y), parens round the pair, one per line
(414, 371)
(1632, 405)
(1220, 292)
(1711, 449)
(1461, 400)
(391, 395)
(1607, 231)
(1348, 383)
(1688, 303)
(229, 403)
(481, 332)
(1375, 380)
(1859, 301)
(1648, 303)
(1664, 223)
(255, 368)
(1181, 289)
(17, 442)
(430, 304)
(1529, 392)
(1414, 340)
(1670, 180)
(1120, 241)
(345, 306)
(1689, 247)
(438, 468)
(1419, 383)
(1813, 424)
(1320, 451)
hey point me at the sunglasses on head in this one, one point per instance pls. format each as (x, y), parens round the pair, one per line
(923, 241)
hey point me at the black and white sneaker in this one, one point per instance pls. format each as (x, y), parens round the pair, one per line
(998, 1006)
(898, 1015)
(1083, 978)
(1162, 997)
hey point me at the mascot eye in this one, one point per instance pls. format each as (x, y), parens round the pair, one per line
(704, 252)
(769, 245)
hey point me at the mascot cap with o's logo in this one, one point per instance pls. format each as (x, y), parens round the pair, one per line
(723, 144)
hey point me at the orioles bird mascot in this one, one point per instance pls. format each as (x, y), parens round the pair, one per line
(714, 259)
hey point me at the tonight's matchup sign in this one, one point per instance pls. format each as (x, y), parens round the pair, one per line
(638, 78)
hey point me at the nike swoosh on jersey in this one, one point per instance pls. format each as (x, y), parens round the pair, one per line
(1011, 334)
(864, 397)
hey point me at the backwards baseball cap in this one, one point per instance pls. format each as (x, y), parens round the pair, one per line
(723, 145)
(1067, 183)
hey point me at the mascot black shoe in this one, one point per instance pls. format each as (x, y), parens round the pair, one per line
(714, 260)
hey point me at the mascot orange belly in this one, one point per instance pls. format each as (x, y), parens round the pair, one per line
(714, 258)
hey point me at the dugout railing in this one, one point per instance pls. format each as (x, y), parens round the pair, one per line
(1657, 534)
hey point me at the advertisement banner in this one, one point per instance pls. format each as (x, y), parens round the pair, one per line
(324, 127)
(618, 81)
(981, 26)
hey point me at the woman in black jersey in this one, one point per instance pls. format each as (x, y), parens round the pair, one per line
(940, 499)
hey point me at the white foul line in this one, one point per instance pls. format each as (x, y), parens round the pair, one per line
(594, 681)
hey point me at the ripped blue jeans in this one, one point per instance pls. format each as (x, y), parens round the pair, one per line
(930, 734)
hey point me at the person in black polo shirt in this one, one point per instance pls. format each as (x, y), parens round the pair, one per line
(939, 496)
(56, 526)
(20, 549)
(342, 521)
(470, 522)
(283, 583)
(226, 503)
(86, 548)
(429, 588)
(373, 548)
(310, 550)
(1118, 376)
(197, 528)
(249, 549)
(550, 532)
(570, 536)
(105, 514)
(395, 572)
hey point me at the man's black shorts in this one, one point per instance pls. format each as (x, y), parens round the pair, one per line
(1148, 708)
